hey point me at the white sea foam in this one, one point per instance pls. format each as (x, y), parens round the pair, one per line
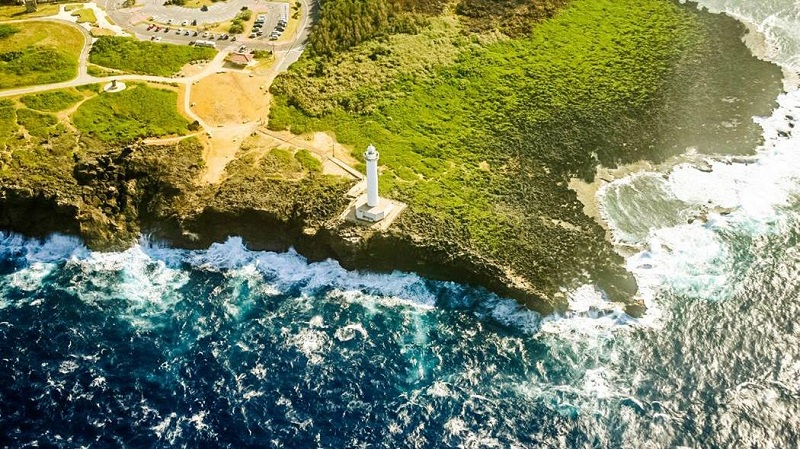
(693, 257)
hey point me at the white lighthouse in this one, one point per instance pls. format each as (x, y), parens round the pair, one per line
(372, 208)
(371, 156)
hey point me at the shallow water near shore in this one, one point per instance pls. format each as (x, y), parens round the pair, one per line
(157, 347)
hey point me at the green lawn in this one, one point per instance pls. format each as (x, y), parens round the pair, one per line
(39, 53)
(52, 101)
(137, 112)
(18, 12)
(85, 15)
(150, 58)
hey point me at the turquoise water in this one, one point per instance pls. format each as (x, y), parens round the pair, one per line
(156, 347)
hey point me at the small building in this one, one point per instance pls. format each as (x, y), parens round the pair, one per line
(240, 59)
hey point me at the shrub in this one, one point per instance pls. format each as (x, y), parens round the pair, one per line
(236, 27)
(57, 100)
(7, 30)
(308, 161)
(151, 58)
(38, 124)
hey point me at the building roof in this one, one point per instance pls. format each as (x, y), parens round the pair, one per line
(240, 58)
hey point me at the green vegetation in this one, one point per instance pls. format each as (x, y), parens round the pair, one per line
(38, 124)
(85, 15)
(93, 88)
(150, 58)
(7, 30)
(137, 112)
(8, 121)
(308, 161)
(262, 54)
(344, 24)
(192, 3)
(100, 72)
(52, 101)
(18, 12)
(511, 17)
(40, 53)
(481, 137)
(238, 24)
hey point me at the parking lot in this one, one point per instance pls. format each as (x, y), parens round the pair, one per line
(179, 25)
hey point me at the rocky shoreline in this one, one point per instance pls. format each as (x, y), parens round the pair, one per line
(121, 195)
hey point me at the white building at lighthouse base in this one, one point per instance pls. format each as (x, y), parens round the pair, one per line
(372, 213)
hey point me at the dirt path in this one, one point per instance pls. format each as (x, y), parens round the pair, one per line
(221, 150)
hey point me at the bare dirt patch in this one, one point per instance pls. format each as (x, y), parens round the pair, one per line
(230, 98)
(221, 149)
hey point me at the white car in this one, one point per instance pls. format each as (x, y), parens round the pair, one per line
(157, 39)
(185, 22)
(169, 22)
(205, 34)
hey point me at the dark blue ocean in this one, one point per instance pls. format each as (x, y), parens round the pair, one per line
(160, 348)
(229, 348)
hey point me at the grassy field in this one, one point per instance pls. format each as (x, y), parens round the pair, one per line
(8, 121)
(52, 101)
(139, 111)
(481, 136)
(149, 58)
(40, 53)
(18, 12)
(85, 15)
(37, 124)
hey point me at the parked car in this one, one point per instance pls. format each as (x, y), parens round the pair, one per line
(178, 31)
(169, 22)
(157, 38)
(157, 29)
(187, 33)
(166, 30)
(185, 22)
(150, 27)
(205, 34)
(195, 33)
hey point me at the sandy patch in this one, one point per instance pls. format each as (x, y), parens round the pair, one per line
(230, 98)
(221, 149)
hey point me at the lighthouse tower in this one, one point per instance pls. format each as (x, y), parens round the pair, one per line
(371, 156)
(371, 207)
